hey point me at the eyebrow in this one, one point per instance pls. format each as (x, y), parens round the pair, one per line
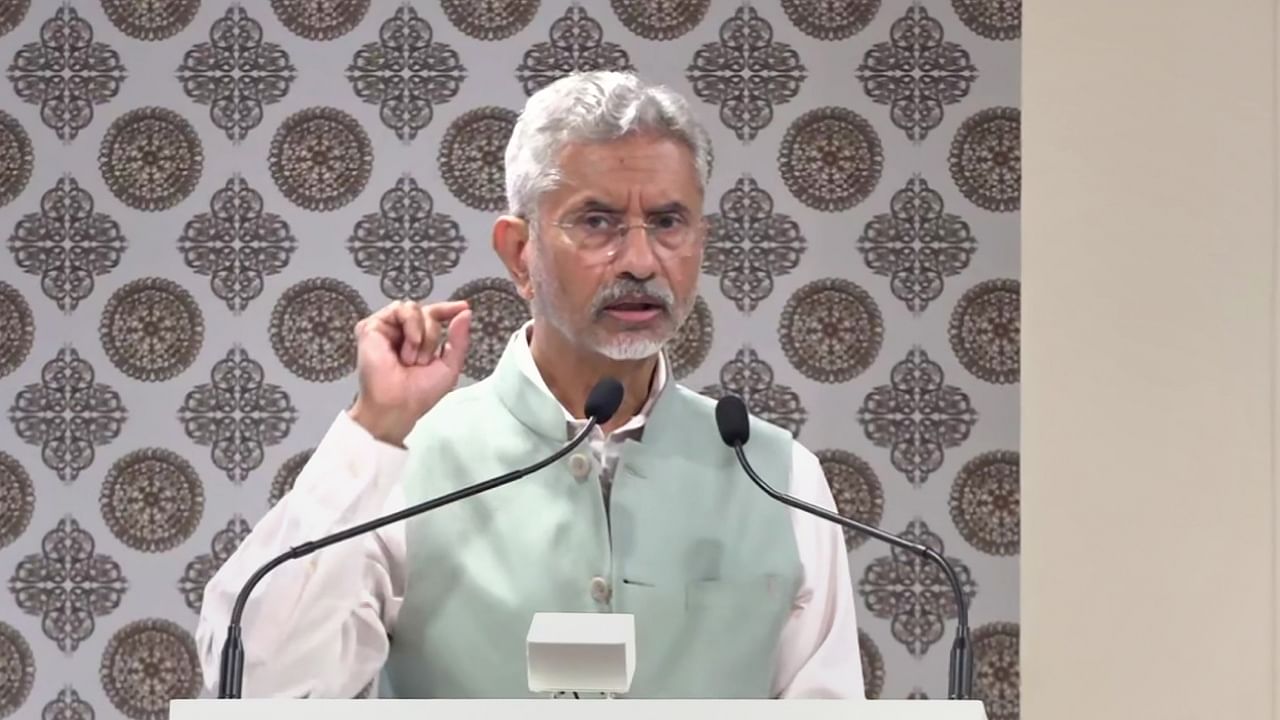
(594, 205)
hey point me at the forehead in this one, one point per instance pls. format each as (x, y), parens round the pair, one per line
(649, 168)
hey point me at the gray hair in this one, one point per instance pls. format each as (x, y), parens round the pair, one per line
(592, 107)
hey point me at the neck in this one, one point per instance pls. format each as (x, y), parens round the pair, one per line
(570, 372)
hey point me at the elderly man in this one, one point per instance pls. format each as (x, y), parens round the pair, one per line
(733, 594)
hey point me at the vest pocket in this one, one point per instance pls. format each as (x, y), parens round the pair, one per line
(768, 589)
(737, 623)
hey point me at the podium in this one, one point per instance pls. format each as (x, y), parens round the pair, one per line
(558, 709)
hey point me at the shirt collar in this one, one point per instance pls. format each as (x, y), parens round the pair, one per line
(524, 356)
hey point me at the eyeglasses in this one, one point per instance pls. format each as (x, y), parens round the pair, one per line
(601, 236)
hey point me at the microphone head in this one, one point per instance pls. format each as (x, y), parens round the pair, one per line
(604, 400)
(732, 421)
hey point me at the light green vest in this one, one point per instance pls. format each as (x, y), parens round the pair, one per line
(704, 560)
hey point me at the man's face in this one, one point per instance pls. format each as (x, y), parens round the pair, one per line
(627, 302)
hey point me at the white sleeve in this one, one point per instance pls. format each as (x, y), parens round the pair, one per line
(317, 626)
(818, 655)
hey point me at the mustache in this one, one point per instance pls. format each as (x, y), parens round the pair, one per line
(651, 290)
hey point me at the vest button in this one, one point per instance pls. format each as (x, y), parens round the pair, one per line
(600, 590)
(580, 466)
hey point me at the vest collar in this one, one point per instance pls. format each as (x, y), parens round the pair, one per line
(529, 400)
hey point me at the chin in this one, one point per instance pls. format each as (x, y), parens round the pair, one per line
(631, 346)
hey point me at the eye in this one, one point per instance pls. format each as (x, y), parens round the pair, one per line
(597, 222)
(668, 221)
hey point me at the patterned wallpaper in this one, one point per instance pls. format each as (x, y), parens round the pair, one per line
(198, 199)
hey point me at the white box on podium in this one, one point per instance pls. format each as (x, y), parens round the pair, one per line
(581, 652)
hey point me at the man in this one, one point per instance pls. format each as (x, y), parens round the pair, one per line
(733, 594)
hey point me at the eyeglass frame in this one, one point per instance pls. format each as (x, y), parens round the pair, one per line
(617, 242)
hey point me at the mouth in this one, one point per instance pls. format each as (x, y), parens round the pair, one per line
(635, 309)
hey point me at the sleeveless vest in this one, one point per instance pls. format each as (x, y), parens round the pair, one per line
(703, 559)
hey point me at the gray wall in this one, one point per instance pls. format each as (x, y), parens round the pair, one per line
(861, 285)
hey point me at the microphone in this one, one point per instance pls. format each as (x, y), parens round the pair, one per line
(735, 430)
(602, 402)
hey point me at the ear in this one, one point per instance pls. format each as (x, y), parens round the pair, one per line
(511, 243)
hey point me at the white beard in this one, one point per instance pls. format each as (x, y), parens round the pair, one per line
(624, 347)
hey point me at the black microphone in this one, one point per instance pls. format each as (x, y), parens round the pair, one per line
(602, 402)
(735, 430)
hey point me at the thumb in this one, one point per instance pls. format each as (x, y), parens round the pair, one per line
(459, 339)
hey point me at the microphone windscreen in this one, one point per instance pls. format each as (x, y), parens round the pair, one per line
(604, 400)
(732, 422)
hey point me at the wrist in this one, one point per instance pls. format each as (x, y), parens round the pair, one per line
(383, 425)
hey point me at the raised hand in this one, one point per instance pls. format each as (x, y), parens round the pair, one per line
(406, 362)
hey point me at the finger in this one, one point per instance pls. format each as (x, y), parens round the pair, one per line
(409, 315)
(387, 310)
(382, 323)
(439, 316)
(430, 348)
(390, 331)
(369, 322)
(455, 348)
(443, 312)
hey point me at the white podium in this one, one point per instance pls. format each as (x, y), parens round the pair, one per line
(548, 709)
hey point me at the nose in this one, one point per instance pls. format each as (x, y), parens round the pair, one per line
(636, 256)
